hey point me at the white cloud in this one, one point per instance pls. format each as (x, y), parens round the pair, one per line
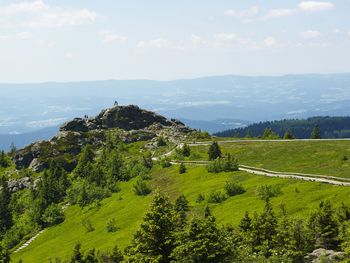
(309, 34)
(108, 37)
(4, 37)
(68, 55)
(45, 123)
(37, 14)
(225, 37)
(246, 15)
(155, 43)
(349, 33)
(270, 42)
(24, 35)
(276, 13)
(312, 6)
(336, 31)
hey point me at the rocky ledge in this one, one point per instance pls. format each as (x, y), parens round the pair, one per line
(134, 125)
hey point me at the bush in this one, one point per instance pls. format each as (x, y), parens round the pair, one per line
(165, 163)
(4, 160)
(182, 169)
(84, 193)
(112, 225)
(87, 225)
(265, 192)
(141, 188)
(233, 188)
(53, 215)
(185, 150)
(345, 158)
(225, 164)
(161, 142)
(216, 197)
(200, 198)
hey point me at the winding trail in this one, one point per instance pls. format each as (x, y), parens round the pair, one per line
(29, 241)
(340, 181)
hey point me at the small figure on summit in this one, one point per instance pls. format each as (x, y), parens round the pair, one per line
(115, 103)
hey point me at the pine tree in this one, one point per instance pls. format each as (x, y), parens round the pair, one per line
(77, 256)
(214, 151)
(155, 240)
(203, 242)
(5, 213)
(182, 207)
(86, 158)
(182, 169)
(315, 134)
(288, 135)
(246, 223)
(185, 150)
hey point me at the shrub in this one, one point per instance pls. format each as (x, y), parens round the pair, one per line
(216, 197)
(345, 158)
(200, 198)
(182, 169)
(87, 225)
(161, 142)
(265, 192)
(185, 150)
(214, 151)
(112, 225)
(53, 215)
(4, 160)
(165, 163)
(141, 188)
(225, 164)
(233, 188)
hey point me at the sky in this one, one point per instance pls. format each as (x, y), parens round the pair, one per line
(65, 40)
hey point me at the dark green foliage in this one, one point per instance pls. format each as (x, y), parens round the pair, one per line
(288, 135)
(324, 226)
(4, 255)
(315, 134)
(185, 150)
(216, 197)
(246, 223)
(53, 215)
(165, 163)
(182, 207)
(161, 142)
(141, 187)
(223, 164)
(77, 256)
(5, 213)
(88, 225)
(112, 225)
(4, 160)
(330, 127)
(84, 193)
(155, 239)
(147, 160)
(269, 134)
(232, 188)
(214, 151)
(182, 168)
(345, 158)
(200, 198)
(204, 242)
(265, 192)
(86, 158)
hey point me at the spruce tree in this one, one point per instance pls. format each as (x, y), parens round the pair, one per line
(246, 223)
(155, 239)
(214, 151)
(86, 158)
(5, 213)
(315, 134)
(182, 169)
(288, 135)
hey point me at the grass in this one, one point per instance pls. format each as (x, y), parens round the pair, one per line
(317, 157)
(128, 208)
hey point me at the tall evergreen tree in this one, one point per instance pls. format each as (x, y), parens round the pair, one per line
(316, 134)
(86, 158)
(214, 151)
(5, 213)
(246, 223)
(288, 135)
(155, 239)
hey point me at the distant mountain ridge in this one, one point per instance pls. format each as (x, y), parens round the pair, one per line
(330, 127)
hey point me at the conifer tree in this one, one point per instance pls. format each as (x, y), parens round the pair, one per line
(214, 151)
(246, 223)
(288, 135)
(315, 134)
(182, 169)
(5, 213)
(86, 158)
(155, 240)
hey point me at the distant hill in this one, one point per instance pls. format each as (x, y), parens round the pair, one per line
(21, 140)
(215, 125)
(330, 127)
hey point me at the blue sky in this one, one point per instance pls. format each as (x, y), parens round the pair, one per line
(77, 40)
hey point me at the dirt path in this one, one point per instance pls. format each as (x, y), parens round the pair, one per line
(260, 171)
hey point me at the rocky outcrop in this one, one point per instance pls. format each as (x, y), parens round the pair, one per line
(322, 255)
(124, 117)
(134, 124)
(15, 185)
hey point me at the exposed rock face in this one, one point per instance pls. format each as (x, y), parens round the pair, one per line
(135, 124)
(15, 185)
(322, 255)
(124, 117)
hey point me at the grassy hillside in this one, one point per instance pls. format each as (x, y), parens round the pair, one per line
(318, 157)
(129, 208)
